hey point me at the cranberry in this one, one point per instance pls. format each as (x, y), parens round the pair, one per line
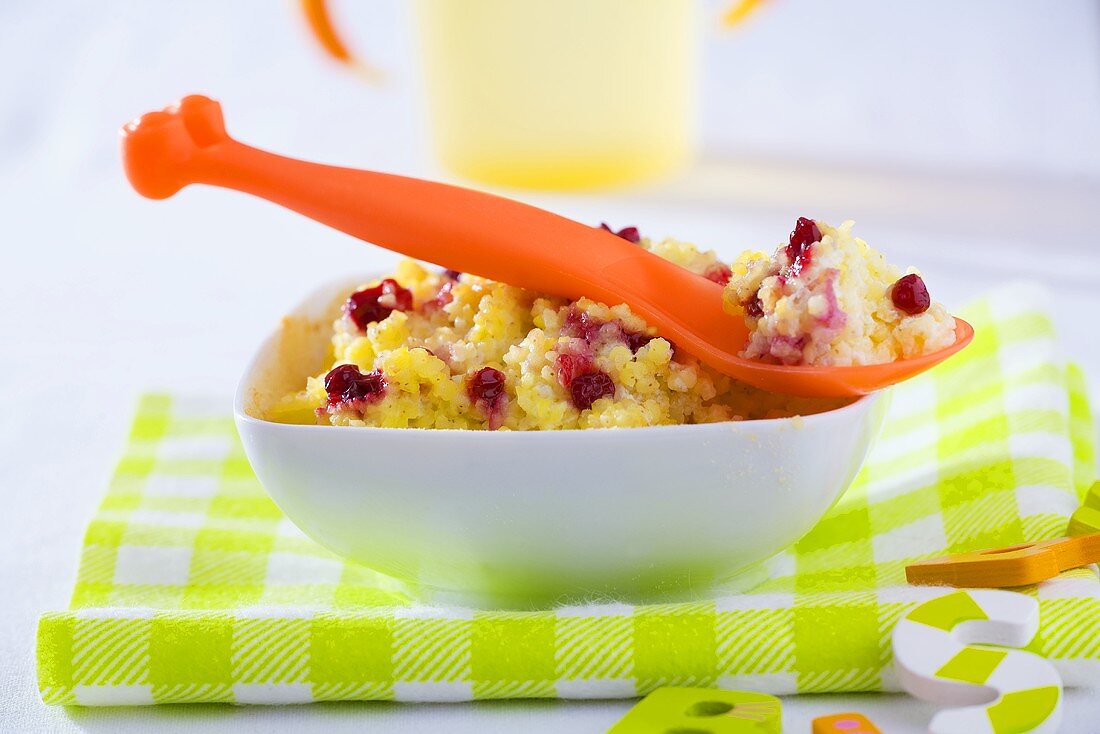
(800, 245)
(346, 384)
(571, 365)
(451, 274)
(630, 234)
(636, 340)
(580, 325)
(590, 387)
(910, 294)
(720, 273)
(375, 304)
(442, 297)
(486, 390)
(754, 308)
(486, 384)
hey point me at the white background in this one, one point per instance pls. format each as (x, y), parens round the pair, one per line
(964, 138)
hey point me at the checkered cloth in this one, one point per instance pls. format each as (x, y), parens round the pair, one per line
(194, 587)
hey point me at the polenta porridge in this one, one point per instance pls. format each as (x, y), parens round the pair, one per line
(424, 348)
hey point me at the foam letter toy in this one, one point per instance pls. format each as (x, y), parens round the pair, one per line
(702, 711)
(1087, 517)
(936, 661)
(1018, 565)
(849, 723)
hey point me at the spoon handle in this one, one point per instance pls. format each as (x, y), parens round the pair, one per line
(457, 228)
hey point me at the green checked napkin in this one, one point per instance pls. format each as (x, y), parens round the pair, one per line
(194, 587)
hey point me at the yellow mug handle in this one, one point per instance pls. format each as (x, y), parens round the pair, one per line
(739, 11)
(320, 23)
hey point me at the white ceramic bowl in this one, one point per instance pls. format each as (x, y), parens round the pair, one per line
(523, 518)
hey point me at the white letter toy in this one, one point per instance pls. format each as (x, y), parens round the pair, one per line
(999, 691)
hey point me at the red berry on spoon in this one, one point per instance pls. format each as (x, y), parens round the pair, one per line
(910, 295)
(800, 244)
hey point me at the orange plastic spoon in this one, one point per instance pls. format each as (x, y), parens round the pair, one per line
(487, 235)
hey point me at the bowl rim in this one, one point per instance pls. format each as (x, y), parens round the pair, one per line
(242, 417)
(807, 421)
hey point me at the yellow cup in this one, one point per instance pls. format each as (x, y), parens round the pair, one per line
(560, 94)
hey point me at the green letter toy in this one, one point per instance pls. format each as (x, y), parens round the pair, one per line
(702, 711)
(1087, 517)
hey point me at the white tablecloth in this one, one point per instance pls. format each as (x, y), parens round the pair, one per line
(103, 294)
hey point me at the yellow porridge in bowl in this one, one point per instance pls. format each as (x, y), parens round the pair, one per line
(430, 349)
